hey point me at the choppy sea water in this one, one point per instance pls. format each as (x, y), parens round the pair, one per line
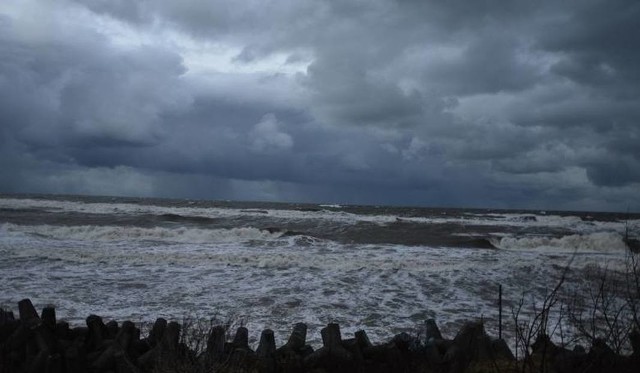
(266, 265)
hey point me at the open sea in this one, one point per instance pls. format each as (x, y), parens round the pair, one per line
(271, 265)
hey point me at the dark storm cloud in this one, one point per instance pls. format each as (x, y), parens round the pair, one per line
(600, 43)
(125, 9)
(599, 51)
(509, 104)
(80, 96)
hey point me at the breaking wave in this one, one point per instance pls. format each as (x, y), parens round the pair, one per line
(600, 242)
(127, 233)
(334, 213)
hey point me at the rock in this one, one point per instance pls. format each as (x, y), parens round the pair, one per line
(298, 337)
(111, 329)
(6, 316)
(579, 349)
(336, 360)
(241, 339)
(123, 364)
(136, 346)
(37, 363)
(8, 325)
(266, 352)
(332, 357)
(106, 360)
(383, 358)
(126, 335)
(95, 336)
(171, 338)
(242, 357)
(290, 361)
(432, 331)
(42, 344)
(74, 358)
(354, 349)
(46, 339)
(406, 343)
(290, 357)
(215, 343)
(474, 341)
(363, 339)
(267, 345)
(542, 344)
(568, 361)
(155, 335)
(54, 364)
(216, 350)
(433, 355)
(558, 358)
(331, 337)
(470, 344)
(19, 338)
(62, 330)
(48, 316)
(601, 354)
(165, 351)
(28, 313)
(306, 351)
(501, 351)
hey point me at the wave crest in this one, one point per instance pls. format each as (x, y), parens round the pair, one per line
(600, 242)
(127, 233)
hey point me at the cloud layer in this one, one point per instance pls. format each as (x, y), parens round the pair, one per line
(457, 103)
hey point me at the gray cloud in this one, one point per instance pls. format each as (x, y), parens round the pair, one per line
(414, 102)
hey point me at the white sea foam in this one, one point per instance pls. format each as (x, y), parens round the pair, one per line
(510, 219)
(205, 212)
(604, 242)
(273, 281)
(127, 233)
(384, 289)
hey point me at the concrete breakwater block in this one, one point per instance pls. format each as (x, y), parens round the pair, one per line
(43, 343)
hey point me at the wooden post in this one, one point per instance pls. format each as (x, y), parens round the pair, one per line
(500, 311)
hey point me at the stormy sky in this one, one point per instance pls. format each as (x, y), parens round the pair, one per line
(508, 104)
